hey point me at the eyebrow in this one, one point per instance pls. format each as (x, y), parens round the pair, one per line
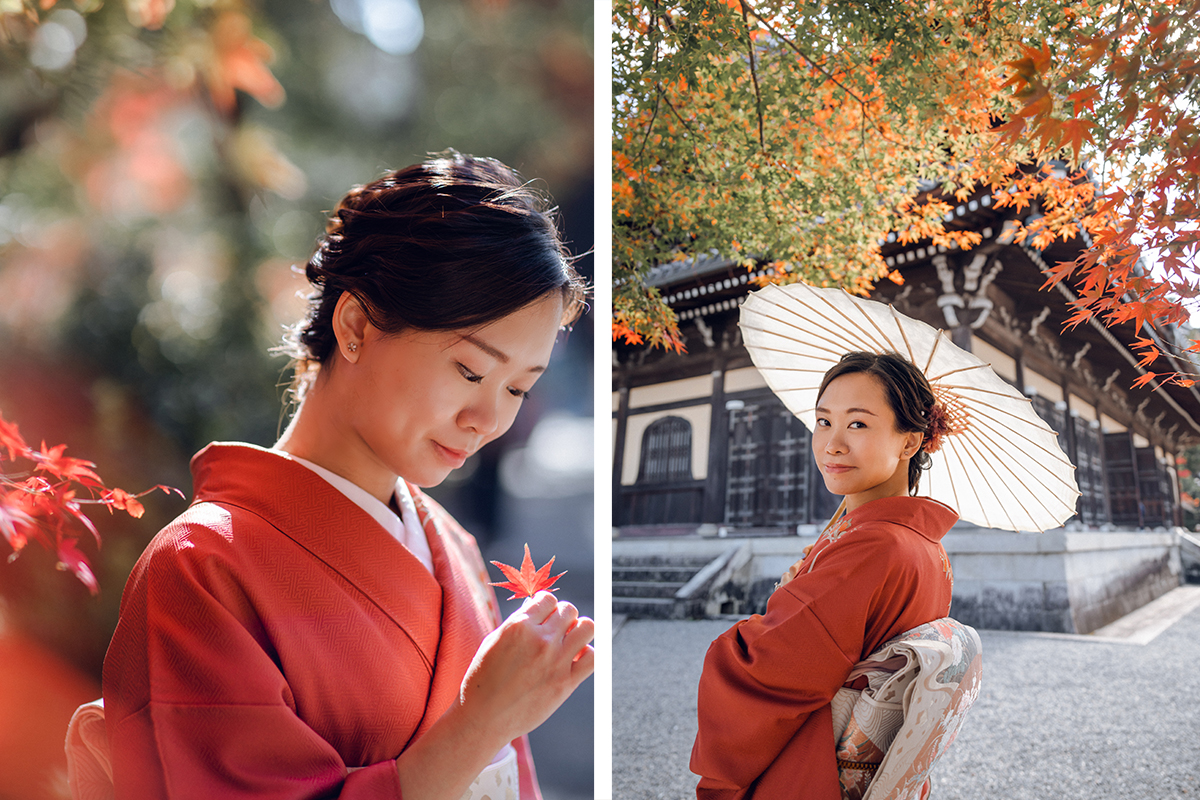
(499, 355)
(848, 411)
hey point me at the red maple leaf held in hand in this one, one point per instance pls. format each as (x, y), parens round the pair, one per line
(527, 582)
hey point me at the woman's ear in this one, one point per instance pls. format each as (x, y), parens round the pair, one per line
(350, 325)
(912, 443)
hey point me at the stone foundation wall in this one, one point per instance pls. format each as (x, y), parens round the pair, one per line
(1061, 581)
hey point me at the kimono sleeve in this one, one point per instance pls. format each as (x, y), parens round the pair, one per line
(197, 707)
(766, 676)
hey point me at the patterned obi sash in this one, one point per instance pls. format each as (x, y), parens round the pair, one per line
(919, 687)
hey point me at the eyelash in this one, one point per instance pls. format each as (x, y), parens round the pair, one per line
(824, 423)
(473, 378)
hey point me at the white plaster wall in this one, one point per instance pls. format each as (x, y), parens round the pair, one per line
(1083, 408)
(743, 380)
(635, 425)
(670, 391)
(1004, 364)
(1043, 386)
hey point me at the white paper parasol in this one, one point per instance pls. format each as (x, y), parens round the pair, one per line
(999, 466)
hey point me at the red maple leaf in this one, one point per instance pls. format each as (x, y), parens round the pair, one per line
(10, 439)
(527, 582)
(53, 461)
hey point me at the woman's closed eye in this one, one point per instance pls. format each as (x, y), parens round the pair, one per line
(475, 378)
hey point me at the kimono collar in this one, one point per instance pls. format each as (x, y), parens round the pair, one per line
(405, 528)
(928, 517)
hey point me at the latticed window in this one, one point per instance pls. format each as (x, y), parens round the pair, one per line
(768, 475)
(1089, 472)
(666, 451)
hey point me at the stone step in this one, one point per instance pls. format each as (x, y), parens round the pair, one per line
(694, 562)
(644, 607)
(657, 574)
(645, 588)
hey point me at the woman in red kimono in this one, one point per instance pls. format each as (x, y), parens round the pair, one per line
(765, 725)
(313, 625)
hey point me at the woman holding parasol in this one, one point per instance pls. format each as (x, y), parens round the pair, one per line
(313, 625)
(878, 570)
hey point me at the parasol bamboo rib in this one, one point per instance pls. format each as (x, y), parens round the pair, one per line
(935, 378)
(835, 346)
(819, 313)
(1037, 423)
(959, 388)
(1041, 483)
(1001, 460)
(1009, 461)
(937, 340)
(969, 455)
(991, 488)
(953, 488)
(863, 311)
(1045, 468)
(971, 484)
(993, 424)
(840, 332)
(912, 357)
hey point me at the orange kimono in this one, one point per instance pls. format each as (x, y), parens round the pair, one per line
(765, 725)
(276, 642)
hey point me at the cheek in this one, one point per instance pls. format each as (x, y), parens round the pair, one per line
(508, 415)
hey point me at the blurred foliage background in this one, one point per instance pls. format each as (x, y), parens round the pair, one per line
(164, 164)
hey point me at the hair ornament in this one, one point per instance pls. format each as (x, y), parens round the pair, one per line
(947, 417)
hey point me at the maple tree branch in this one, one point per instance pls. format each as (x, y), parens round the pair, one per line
(796, 48)
(654, 62)
(678, 116)
(762, 143)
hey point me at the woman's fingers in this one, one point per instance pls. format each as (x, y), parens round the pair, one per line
(583, 665)
(540, 606)
(579, 635)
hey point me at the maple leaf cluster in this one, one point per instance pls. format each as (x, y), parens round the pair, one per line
(796, 137)
(45, 502)
(527, 581)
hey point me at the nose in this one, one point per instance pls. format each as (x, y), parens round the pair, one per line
(482, 415)
(835, 444)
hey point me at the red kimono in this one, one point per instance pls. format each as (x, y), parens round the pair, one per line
(276, 642)
(765, 726)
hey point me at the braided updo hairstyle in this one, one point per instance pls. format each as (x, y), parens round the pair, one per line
(908, 393)
(454, 242)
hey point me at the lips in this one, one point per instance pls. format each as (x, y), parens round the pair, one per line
(455, 458)
(836, 469)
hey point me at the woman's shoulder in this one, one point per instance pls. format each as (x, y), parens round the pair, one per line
(207, 539)
(892, 517)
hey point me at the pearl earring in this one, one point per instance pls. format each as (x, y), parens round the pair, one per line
(352, 347)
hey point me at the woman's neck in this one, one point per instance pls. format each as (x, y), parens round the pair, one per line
(320, 434)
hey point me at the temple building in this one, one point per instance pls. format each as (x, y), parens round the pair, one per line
(707, 459)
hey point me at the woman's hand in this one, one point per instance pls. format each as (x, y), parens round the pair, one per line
(528, 666)
(521, 673)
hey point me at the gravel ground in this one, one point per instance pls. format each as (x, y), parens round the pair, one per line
(1058, 717)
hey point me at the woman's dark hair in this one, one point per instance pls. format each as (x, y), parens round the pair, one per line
(454, 242)
(908, 393)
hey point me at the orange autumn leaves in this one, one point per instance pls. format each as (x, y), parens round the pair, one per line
(44, 503)
(1081, 118)
(742, 132)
